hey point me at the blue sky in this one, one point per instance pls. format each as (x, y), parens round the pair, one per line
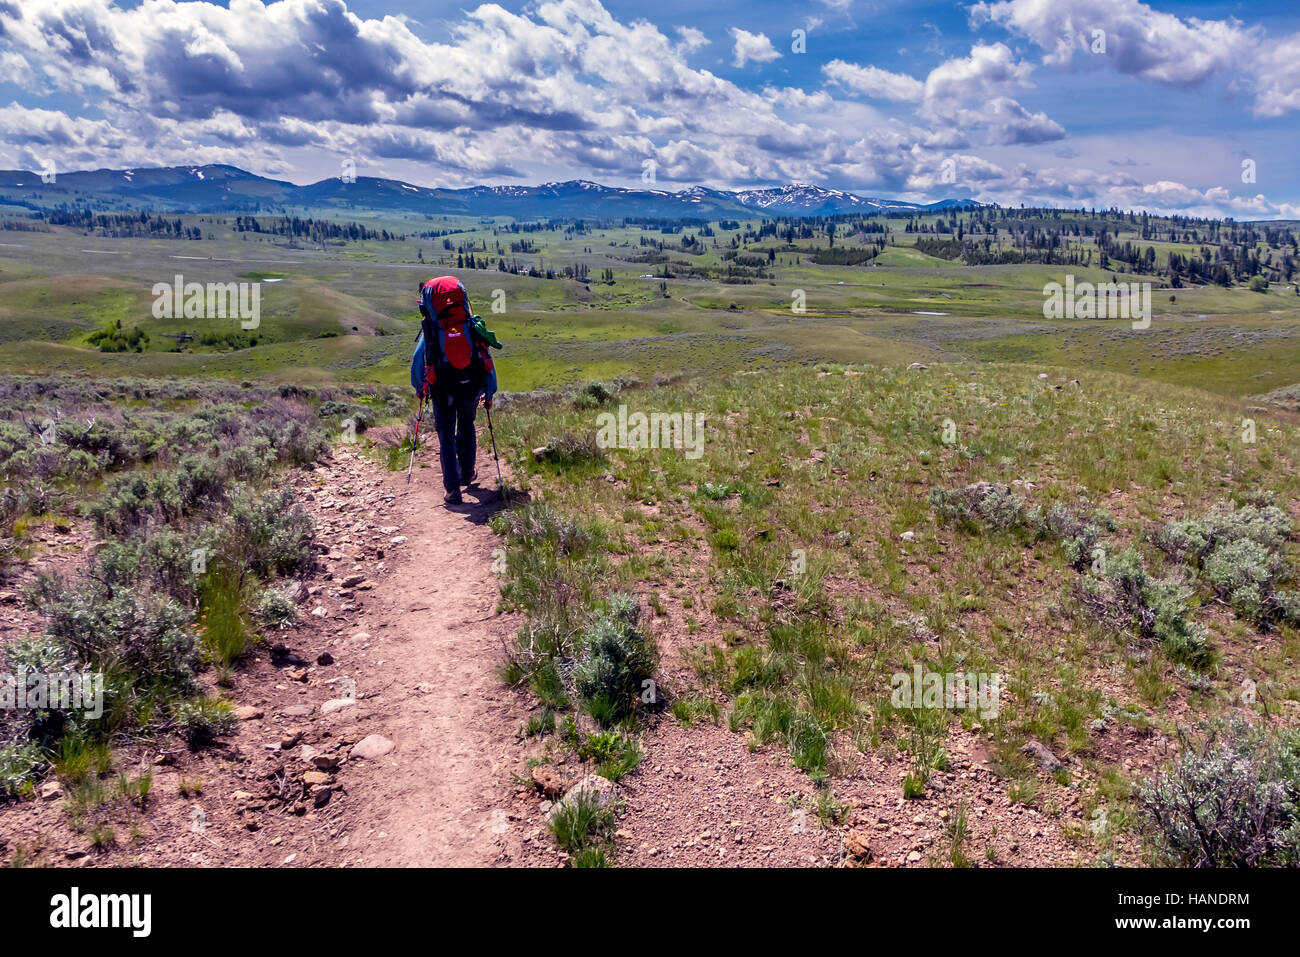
(1067, 102)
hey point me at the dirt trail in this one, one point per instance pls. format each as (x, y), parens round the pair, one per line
(424, 651)
(399, 639)
(438, 798)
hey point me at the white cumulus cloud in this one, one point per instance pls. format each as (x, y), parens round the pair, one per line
(747, 47)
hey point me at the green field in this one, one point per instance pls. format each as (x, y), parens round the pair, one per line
(345, 312)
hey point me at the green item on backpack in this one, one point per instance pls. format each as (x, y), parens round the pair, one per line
(487, 335)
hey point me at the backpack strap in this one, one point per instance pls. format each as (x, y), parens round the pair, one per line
(432, 348)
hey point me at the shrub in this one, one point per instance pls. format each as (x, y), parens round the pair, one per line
(93, 431)
(267, 534)
(34, 497)
(201, 442)
(572, 449)
(1243, 572)
(19, 764)
(45, 655)
(293, 433)
(275, 609)
(203, 720)
(1193, 539)
(248, 461)
(1079, 536)
(1233, 800)
(167, 562)
(41, 653)
(986, 503)
(1126, 597)
(1239, 553)
(999, 507)
(361, 416)
(592, 394)
(201, 481)
(1287, 604)
(163, 560)
(114, 338)
(619, 657)
(8, 552)
(143, 636)
(131, 500)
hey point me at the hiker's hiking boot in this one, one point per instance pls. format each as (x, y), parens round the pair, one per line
(453, 498)
(468, 480)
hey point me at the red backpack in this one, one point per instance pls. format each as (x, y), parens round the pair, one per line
(455, 358)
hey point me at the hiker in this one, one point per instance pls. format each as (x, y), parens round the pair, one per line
(452, 374)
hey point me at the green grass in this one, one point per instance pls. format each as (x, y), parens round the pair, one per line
(615, 754)
(223, 626)
(833, 464)
(584, 828)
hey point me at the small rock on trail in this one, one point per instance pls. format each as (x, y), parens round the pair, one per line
(371, 746)
(1045, 758)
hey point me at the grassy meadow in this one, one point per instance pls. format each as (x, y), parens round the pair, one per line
(848, 523)
(345, 311)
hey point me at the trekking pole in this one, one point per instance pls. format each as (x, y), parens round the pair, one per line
(415, 439)
(501, 485)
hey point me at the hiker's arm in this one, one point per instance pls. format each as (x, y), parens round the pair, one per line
(422, 376)
(490, 380)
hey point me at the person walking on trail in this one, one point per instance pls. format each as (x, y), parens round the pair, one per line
(452, 369)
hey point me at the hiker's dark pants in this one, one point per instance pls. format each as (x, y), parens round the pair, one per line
(453, 418)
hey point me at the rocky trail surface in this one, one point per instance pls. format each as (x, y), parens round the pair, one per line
(374, 733)
(435, 728)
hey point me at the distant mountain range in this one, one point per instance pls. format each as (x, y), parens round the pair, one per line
(228, 189)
